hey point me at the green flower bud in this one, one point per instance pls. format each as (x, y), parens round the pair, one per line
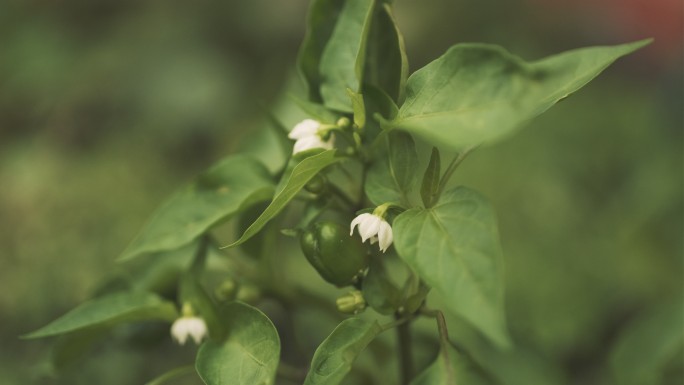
(226, 291)
(352, 303)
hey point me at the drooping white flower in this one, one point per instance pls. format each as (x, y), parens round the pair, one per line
(306, 127)
(307, 134)
(375, 228)
(188, 325)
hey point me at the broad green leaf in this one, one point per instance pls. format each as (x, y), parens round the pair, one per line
(648, 344)
(379, 107)
(334, 357)
(386, 62)
(430, 187)
(454, 247)
(320, 24)
(452, 368)
(392, 178)
(301, 175)
(229, 187)
(173, 374)
(476, 93)
(110, 309)
(343, 58)
(248, 355)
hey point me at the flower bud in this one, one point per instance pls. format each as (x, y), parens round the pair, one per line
(352, 303)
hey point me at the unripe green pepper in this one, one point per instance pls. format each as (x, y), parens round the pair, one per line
(337, 257)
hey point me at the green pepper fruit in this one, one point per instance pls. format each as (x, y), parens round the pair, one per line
(338, 257)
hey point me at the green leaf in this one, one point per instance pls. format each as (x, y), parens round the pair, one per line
(111, 309)
(320, 24)
(314, 110)
(358, 108)
(452, 368)
(477, 93)
(648, 344)
(454, 247)
(229, 187)
(334, 357)
(248, 355)
(301, 175)
(173, 374)
(343, 58)
(391, 178)
(386, 61)
(430, 186)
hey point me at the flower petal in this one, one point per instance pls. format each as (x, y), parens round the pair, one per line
(179, 331)
(369, 226)
(308, 143)
(307, 127)
(385, 236)
(354, 223)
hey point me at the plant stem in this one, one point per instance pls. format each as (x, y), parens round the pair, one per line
(405, 351)
(452, 167)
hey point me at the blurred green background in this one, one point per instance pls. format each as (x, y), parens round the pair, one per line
(106, 107)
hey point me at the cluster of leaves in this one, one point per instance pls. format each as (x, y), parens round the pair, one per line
(394, 130)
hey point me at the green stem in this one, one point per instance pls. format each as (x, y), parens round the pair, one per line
(452, 167)
(405, 351)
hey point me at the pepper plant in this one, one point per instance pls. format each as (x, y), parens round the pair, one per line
(366, 194)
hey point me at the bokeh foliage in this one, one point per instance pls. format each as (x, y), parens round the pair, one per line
(106, 108)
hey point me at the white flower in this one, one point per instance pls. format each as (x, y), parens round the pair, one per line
(307, 136)
(185, 326)
(375, 228)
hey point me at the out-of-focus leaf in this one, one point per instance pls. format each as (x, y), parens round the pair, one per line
(172, 374)
(334, 357)
(454, 247)
(111, 309)
(229, 187)
(477, 93)
(248, 355)
(452, 368)
(648, 344)
(378, 290)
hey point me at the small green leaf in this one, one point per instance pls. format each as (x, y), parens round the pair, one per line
(229, 187)
(248, 355)
(320, 24)
(403, 160)
(191, 291)
(301, 175)
(476, 93)
(358, 108)
(430, 186)
(334, 357)
(111, 309)
(648, 344)
(454, 247)
(392, 178)
(378, 289)
(386, 61)
(452, 368)
(343, 58)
